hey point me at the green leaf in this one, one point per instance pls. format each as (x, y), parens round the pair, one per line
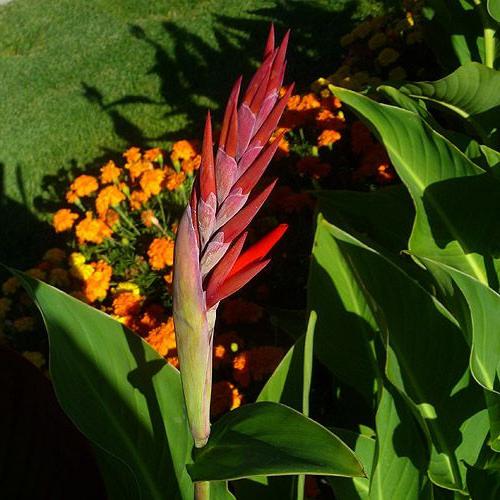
(453, 31)
(219, 491)
(427, 360)
(398, 474)
(358, 487)
(345, 327)
(385, 216)
(494, 9)
(271, 439)
(450, 192)
(471, 92)
(118, 391)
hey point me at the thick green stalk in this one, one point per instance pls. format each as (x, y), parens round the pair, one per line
(489, 30)
(202, 490)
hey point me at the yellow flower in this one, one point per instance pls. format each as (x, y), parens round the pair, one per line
(110, 172)
(183, 150)
(35, 357)
(63, 220)
(161, 253)
(54, 255)
(92, 230)
(151, 181)
(76, 259)
(128, 286)
(110, 196)
(24, 324)
(84, 185)
(387, 56)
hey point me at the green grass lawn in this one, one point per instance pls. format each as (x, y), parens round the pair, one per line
(81, 81)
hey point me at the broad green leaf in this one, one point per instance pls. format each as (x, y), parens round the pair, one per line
(42, 455)
(385, 216)
(484, 306)
(219, 491)
(450, 192)
(471, 92)
(398, 474)
(345, 327)
(453, 31)
(484, 484)
(427, 360)
(271, 439)
(494, 9)
(355, 488)
(118, 391)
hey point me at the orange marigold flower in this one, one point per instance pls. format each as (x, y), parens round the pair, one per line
(151, 181)
(183, 150)
(162, 338)
(127, 304)
(325, 119)
(137, 199)
(54, 255)
(132, 155)
(110, 196)
(385, 173)
(221, 355)
(225, 396)
(148, 218)
(154, 154)
(110, 172)
(92, 230)
(71, 197)
(328, 136)
(24, 324)
(63, 220)
(191, 164)
(59, 277)
(264, 360)
(97, 285)
(84, 185)
(168, 278)
(238, 311)
(174, 179)
(137, 168)
(309, 101)
(112, 218)
(152, 317)
(161, 253)
(313, 167)
(361, 139)
(241, 368)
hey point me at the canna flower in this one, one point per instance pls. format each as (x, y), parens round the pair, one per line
(209, 263)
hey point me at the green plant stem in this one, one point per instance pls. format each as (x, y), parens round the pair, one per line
(127, 219)
(489, 30)
(202, 490)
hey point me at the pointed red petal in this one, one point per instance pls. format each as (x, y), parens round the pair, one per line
(267, 128)
(257, 78)
(232, 133)
(255, 171)
(236, 281)
(279, 62)
(260, 93)
(270, 41)
(193, 203)
(240, 221)
(222, 269)
(233, 97)
(259, 250)
(207, 169)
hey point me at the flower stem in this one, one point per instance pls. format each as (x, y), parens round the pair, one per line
(489, 29)
(127, 219)
(202, 490)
